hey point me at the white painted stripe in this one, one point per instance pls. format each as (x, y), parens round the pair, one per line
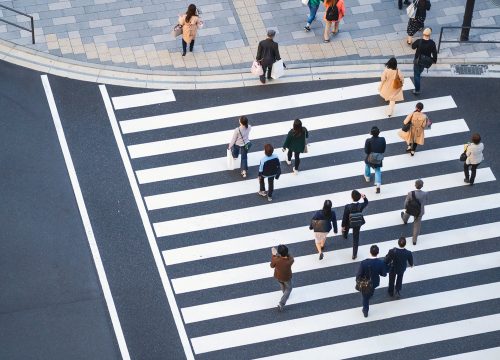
(316, 149)
(101, 273)
(337, 319)
(338, 287)
(143, 99)
(252, 107)
(281, 128)
(284, 208)
(310, 262)
(404, 340)
(307, 177)
(485, 354)
(147, 226)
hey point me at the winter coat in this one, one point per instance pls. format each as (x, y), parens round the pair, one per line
(296, 143)
(386, 89)
(190, 28)
(340, 6)
(416, 133)
(474, 153)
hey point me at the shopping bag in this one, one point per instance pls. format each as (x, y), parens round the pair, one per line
(278, 69)
(412, 9)
(305, 2)
(177, 30)
(232, 163)
(256, 69)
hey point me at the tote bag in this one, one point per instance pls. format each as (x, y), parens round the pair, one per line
(256, 69)
(278, 69)
(177, 30)
(411, 10)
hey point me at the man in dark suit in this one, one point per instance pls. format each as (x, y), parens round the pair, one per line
(371, 268)
(354, 207)
(397, 260)
(267, 54)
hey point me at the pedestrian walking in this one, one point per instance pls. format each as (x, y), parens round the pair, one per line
(313, 6)
(190, 23)
(269, 168)
(391, 85)
(415, 206)
(474, 153)
(353, 219)
(281, 262)
(334, 12)
(267, 54)
(374, 150)
(370, 270)
(417, 23)
(397, 260)
(240, 142)
(296, 143)
(412, 131)
(425, 56)
(322, 223)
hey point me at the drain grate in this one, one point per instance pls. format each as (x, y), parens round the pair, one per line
(470, 69)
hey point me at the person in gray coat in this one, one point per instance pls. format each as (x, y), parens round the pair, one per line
(421, 197)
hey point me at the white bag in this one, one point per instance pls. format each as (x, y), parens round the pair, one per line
(278, 69)
(411, 10)
(232, 163)
(256, 69)
(305, 2)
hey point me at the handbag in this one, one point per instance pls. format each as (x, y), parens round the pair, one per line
(256, 68)
(278, 69)
(306, 147)
(411, 10)
(364, 284)
(406, 127)
(397, 83)
(375, 158)
(177, 30)
(463, 156)
(428, 123)
(320, 225)
(421, 59)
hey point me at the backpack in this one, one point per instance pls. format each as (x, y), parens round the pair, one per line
(389, 258)
(332, 13)
(356, 218)
(413, 207)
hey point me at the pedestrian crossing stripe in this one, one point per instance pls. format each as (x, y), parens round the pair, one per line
(485, 354)
(142, 99)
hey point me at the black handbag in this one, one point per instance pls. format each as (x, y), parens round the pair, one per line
(320, 225)
(463, 156)
(364, 284)
(423, 60)
(407, 127)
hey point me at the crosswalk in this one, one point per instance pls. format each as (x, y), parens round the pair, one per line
(211, 235)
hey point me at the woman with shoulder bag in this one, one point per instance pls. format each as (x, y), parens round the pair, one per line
(391, 85)
(321, 223)
(474, 153)
(241, 142)
(190, 23)
(295, 142)
(417, 121)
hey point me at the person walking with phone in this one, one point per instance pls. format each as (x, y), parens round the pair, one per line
(322, 223)
(397, 260)
(425, 56)
(240, 142)
(334, 12)
(474, 153)
(391, 85)
(413, 128)
(281, 262)
(296, 143)
(414, 205)
(353, 219)
(190, 23)
(374, 150)
(370, 270)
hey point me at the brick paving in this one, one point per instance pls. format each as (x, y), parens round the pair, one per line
(136, 34)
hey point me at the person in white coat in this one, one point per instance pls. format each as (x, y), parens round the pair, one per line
(474, 152)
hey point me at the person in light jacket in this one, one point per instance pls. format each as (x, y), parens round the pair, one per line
(340, 12)
(321, 223)
(474, 152)
(415, 136)
(387, 89)
(190, 22)
(295, 142)
(239, 142)
(269, 168)
(374, 148)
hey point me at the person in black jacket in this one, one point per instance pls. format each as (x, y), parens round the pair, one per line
(354, 207)
(397, 259)
(371, 268)
(425, 48)
(321, 223)
(374, 150)
(269, 168)
(267, 54)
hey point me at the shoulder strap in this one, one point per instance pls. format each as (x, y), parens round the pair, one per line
(413, 195)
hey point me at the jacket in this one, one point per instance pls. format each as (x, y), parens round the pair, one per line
(268, 52)
(428, 48)
(374, 145)
(399, 257)
(416, 132)
(340, 7)
(474, 153)
(240, 136)
(270, 166)
(386, 90)
(374, 268)
(190, 28)
(319, 215)
(282, 267)
(296, 144)
(353, 207)
(422, 7)
(421, 197)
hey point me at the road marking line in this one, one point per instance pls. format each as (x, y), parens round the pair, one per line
(147, 226)
(86, 220)
(143, 99)
(485, 354)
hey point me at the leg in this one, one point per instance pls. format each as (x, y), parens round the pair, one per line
(270, 181)
(286, 293)
(414, 146)
(269, 69)
(399, 281)
(390, 108)
(466, 172)
(378, 176)
(416, 228)
(392, 278)
(400, 4)
(297, 160)
(282, 286)
(244, 157)
(289, 156)
(366, 302)
(184, 45)
(335, 27)
(368, 172)
(191, 45)
(473, 173)
(312, 13)
(355, 242)
(326, 33)
(261, 183)
(318, 247)
(416, 78)
(263, 76)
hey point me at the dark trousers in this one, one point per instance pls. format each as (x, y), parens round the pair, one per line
(267, 69)
(395, 277)
(297, 158)
(366, 300)
(355, 240)
(184, 46)
(472, 172)
(270, 182)
(417, 71)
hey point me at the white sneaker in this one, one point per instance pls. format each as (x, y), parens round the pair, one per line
(289, 162)
(367, 179)
(243, 173)
(295, 171)
(269, 198)
(262, 193)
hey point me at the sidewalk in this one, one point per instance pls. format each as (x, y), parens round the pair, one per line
(135, 35)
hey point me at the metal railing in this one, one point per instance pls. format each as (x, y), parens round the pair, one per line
(466, 41)
(32, 30)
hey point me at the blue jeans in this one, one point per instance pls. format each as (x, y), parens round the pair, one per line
(417, 71)
(378, 174)
(235, 150)
(312, 12)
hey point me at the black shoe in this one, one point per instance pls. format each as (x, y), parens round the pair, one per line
(307, 28)
(269, 78)
(416, 92)
(398, 295)
(321, 256)
(184, 54)
(262, 80)
(354, 257)
(365, 313)
(414, 243)
(391, 294)
(466, 180)
(471, 183)
(377, 191)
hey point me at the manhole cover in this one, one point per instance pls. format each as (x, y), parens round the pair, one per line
(470, 69)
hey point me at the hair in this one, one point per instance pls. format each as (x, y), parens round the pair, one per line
(374, 250)
(297, 128)
(268, 149)
(374, 131)
(355, 195)
(327, 209)
(244, 121)
(402, 242)
(419, 184)
(191, 11)
(419, 106)
(476, 138)
(282, 250)
(392, 63)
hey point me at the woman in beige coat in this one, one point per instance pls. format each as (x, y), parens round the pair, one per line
(391, 85)
(190, 23)
(415, 136)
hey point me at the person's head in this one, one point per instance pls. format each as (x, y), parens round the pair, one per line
(191, 11)
(327, 208)
(402, 242)
(392, 63)
(268, 149)
(297, 127)
(419, 184)
(355, 195)
(419, 106)
(374, 131)
(427, 33)
(374, 250)
(244, 121)
(282, 250)
(271, 33)
(476, 138)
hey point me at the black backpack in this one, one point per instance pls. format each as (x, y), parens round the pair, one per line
(413, 207)
(332, 13)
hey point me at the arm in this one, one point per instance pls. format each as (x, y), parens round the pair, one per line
(287, 140)
(292, 260)
(408, 197)
(434, 53)
(261, 166)
(277, 53)
(360, 270)
(383, 269)
(384, 145)
(415, 44)
(278, 170)
(365, 202)
(345, 217)
(407, 119)
(367, 146)
(410, 258)
(259, 53)
(334, 222)
(307, 133)
(273, 261)
(233, 139)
